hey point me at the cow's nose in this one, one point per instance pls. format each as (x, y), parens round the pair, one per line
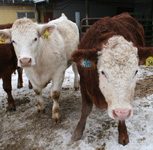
(25, 62)
(121, 113)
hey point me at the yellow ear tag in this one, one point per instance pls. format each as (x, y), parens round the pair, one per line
(149, 61)
(2, 40)
(46, 35)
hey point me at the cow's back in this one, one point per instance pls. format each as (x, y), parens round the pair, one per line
(102, 30)
(68, 32)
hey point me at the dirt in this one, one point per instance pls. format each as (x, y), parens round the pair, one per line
(26, 129)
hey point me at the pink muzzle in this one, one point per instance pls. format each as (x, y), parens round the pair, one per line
(25, 62)
(121, 113)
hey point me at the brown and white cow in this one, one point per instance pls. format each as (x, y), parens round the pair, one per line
(8, 65)
(107, 61)
(44, 51)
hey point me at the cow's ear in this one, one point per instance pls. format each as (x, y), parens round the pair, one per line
(46, 30)
(5, 36)
(86, 58)
(144, 53)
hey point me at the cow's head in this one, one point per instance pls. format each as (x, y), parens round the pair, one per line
(27, 38)
(117, 64)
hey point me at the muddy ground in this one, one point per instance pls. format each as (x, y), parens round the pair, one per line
(26, 129)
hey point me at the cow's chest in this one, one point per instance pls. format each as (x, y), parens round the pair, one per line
(40, 77)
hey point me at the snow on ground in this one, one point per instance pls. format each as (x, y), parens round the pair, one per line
(26, 129)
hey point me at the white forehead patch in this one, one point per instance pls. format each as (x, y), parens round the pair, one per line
(118, 53)
(24, 27)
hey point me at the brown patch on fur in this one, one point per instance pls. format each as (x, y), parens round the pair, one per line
(37, 91)
(102, 104)
(55, 95)
(123, 137)
(40, 105)
(81, 54)
(6, 26)
(105, 28)
(56, 110)
(8, 65)
(43, 85)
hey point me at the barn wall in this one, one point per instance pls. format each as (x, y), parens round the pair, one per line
(8, 14)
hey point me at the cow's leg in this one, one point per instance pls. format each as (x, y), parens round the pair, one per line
(40, 100)
(8, 88)
(20, 80)
(76, 78)
(86, 110)
(55, 94)
(123, 135)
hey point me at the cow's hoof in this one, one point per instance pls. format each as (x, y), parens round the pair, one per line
(76, 88)
(30, 87)
(65, 88)
(12, 109)
(76, 137)
(55, 121)
(41, 111)
(123, 141)
(19, 87)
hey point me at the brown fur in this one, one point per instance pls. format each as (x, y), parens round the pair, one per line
(91, 43)
(55, 95)
(8, 65)
(37, 91)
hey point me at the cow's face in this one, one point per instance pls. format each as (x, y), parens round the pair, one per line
(117, 66)
(27, 39)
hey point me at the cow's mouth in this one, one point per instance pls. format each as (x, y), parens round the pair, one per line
(25, 62)
(121, 114)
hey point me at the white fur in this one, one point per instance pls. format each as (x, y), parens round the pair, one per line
(49, 56)
(118, 59)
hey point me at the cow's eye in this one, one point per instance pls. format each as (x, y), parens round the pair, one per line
(136, 72)
(102, 72)
(13, 41)
(35, 39)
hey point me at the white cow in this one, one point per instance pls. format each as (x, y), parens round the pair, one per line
(44, 51)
